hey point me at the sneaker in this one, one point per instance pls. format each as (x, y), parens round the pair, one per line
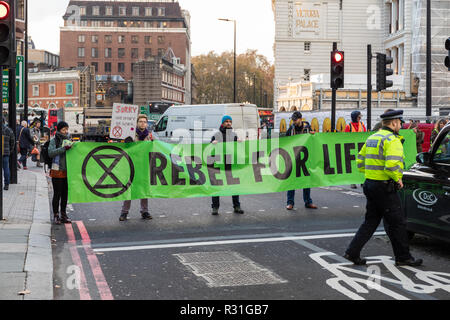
(215, 211)
(25, 168)
(353, 186)
(6, 187)
(123, 217)
(356, 260)
(289, 207)
(238, 210)
(19, 165)
(310, 206)
(146, 216)
(410, 262)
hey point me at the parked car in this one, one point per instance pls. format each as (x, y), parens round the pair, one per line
(426, 195)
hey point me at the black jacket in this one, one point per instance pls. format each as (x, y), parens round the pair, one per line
(25, 142)
(223, 134)
(293, 130)
(8, 140)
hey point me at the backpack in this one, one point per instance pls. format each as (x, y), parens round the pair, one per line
(44, 154)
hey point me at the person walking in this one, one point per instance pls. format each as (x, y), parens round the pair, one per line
(225, 134)
(57, 149)
(8, 147)
(298, 127)
(142, 134)
(381, 159)
(25, 142)
(36, 134)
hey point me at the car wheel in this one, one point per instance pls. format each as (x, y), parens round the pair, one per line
(410, 235)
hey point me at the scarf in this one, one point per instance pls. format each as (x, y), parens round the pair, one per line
(142, 134)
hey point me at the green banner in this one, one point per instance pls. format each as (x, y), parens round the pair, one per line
(99, 172)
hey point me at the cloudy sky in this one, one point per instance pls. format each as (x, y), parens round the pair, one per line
(255, 25)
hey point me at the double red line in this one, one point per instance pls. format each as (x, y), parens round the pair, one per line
(102, 285)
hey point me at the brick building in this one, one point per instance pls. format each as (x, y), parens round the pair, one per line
(114, 35)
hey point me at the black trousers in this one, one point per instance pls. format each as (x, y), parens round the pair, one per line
(216, 202)
(385, 205)
(60, 193)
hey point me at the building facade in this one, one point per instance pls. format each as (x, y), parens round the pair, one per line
(42, 60)
(114, 35)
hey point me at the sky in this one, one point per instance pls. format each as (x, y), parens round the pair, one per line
(255, 25)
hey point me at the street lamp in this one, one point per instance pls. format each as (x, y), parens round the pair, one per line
(234, 78)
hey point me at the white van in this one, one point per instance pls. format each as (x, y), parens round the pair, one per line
(198, 123)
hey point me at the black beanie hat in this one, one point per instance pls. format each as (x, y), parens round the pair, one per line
(61, 125)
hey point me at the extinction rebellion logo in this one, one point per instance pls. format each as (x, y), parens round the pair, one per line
(110, 171)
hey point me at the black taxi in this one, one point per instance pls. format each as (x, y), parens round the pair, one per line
(426, 192)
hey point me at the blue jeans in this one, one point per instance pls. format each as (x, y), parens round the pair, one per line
(6, 171)
(306, 197)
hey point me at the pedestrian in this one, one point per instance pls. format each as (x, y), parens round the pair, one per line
(356, 125)
(24, 144)
(299, 127)
(420, 136)
(381, 159)
(36, 134)
(142, 134)
(57, 149)
(437, 128)
(8, 147)
(225, 134)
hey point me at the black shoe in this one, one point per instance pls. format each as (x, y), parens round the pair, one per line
(410, 262)
(357, 261)
(353, 186)
(238, 210)
(215, 211)
(123, 217)
(6, 187)
(146, 216)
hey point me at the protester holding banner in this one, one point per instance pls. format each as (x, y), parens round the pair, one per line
(355, 126)
(58, 172)
(142, 134)
(382, 161)
(298, 127)
(225, 134)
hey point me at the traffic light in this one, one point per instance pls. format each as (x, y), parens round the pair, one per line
(337, 69)
(7, 58)
(447, 58)
(383, 72)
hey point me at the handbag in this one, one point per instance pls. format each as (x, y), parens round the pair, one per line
(35, 151)
(18, 141)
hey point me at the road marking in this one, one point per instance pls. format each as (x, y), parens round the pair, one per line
(226, 242)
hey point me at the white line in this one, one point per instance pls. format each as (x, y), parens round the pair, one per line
(223, 242)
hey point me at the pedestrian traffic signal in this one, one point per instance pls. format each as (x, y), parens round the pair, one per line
(337, 69)
(383, 72)
(447, 58)
(7, 58)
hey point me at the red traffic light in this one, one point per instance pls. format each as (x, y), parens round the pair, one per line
(4, 10)
(338, 56)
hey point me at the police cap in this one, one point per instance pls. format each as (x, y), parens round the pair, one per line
(392, 114)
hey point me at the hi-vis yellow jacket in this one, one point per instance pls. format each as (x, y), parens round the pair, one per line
(381, 157)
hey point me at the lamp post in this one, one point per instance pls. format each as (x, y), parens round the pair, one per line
(234, 77)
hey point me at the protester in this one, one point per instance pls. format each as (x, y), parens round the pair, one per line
(356, 125)
(57, 149)
(24, 142)
(142, 134)
(8, 148)
(437, 128)
(36, 134)
(298, 127)
(420, 136)
(225, 134)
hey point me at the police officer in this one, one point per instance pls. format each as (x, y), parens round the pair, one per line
(381, 160)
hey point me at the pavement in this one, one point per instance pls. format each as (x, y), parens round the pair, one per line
(26, 263)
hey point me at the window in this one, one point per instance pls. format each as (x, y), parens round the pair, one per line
(161, 12)
(134, 53)
(80, 64)
(442, 155)
(82, 11)
(109, 11)
(51, 90)
(148, 12)
(109, 23)
(108, 39)
(121, 39)
(94, 52)
(161, 39)
(161, 51)
(148, 53)
(83, 23)
(36, 91)
(307, 74)
(108, 52)
(69, 89)
(162, 124)
(95, 23)
(148, 24)
(81, 38)
(122, 11)
(307, 47)
(121, 52)
(163, 24)
(95, 39)
(95, 65)
(81, 52)
(107, 66)
(121, 67)
(148, 40)
(134, 39)
(95, 10)
(135, 11)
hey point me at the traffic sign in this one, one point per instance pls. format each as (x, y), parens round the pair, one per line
(20, 82)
